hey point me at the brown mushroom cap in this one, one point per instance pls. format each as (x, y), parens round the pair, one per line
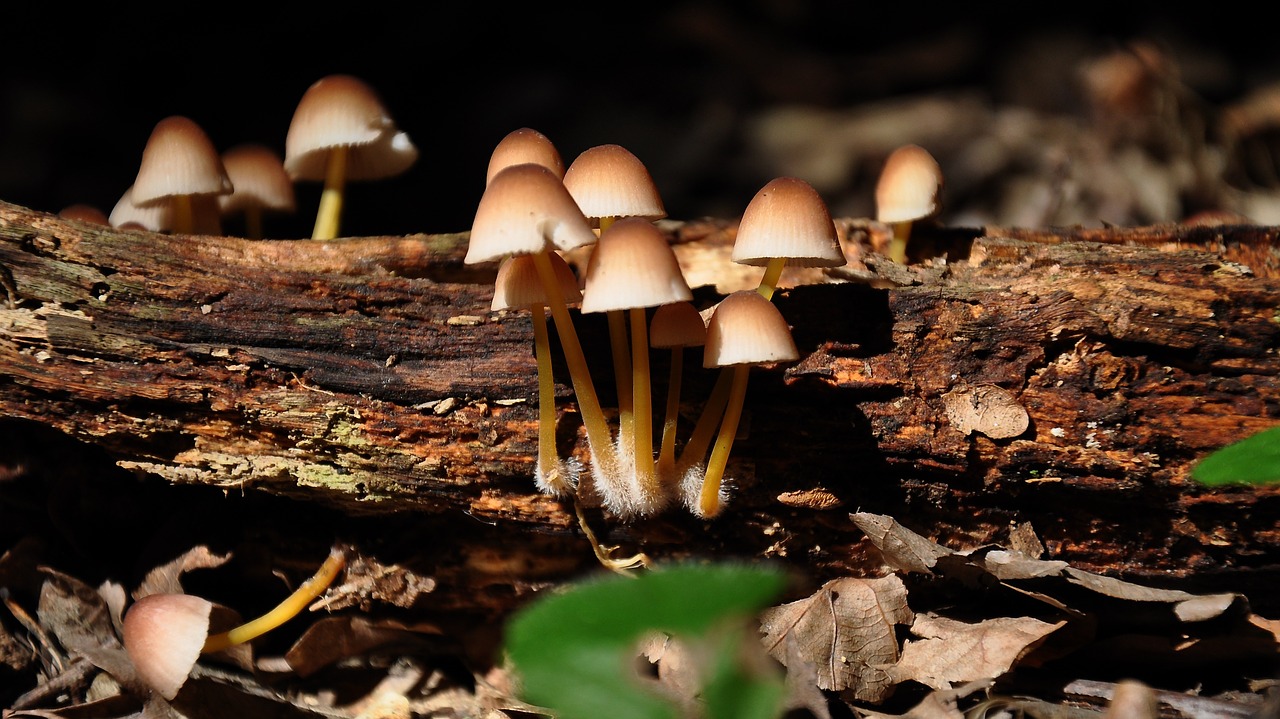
(746, 328)
(787, 218)
(677, 324)
(259, 180)
(84, 213)
(179, 159)
(163, 635)
(909, 186)
(344, 111)
(525, 209)
(521, 146)
(519, 286)
(610, 181)
(632, 266)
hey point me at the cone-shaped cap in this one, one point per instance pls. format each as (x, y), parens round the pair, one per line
(525, 209)
(521, 146)
(344, 111)
(259, 178)
(677, 324)
(609, 181)
(632, 266)
(909, 185)
(519, 286)
(787, 218)
(163, 634)
(179, 159)
(746, 328)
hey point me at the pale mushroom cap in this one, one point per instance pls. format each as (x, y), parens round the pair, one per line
(519, 286)
(909, 185)
(344, 111)
(788, 218)
(677, 324)
(259, 179)
(525, 209)
(746, 328)
(155, 218)
(179, 159)
(164, 634)
(632, 266)
(521, 146)
(610, 181)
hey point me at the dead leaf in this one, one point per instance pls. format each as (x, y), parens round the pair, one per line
(1186, 607)
(903, 549)
(951, 652)
(81, 621)
(332, 639)
(166, 578)
(986, 408)
(846, 630)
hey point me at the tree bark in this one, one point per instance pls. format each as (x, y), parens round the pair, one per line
(365, 381)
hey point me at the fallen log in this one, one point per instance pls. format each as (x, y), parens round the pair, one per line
(1050, 389)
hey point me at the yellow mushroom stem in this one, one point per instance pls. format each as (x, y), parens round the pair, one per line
(548, 466)
(284, 611)
(670, 420)
(709, 498)
(327, 217)
(898, 243)
(598, 433)
(704, 430)
(642, 400)
(184, 217)
(621, 362)
(253, 222)
(772, 273)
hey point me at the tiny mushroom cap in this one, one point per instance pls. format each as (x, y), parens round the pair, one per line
(518, 285)
(164, 635)
(747, 328)
(525, 209)
(909, 186)
(633, 266)
(610, 181)
(677, 324)
(179, 159)
(127, 215)
(259, 180)
(521, 146)
(787, 218)
(84, 213)
(344, 111)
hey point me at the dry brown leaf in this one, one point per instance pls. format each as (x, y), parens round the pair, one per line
(902, 548)
(951, 652)
(845, 630)
(331, 639)
(167, 578)
(1186, 607)
(986, 408)
(81, 621)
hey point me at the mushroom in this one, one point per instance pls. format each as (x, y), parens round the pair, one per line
(675, 326)
(165, 634)
(340, 132)
(518, 287)
(127, 215)
(745, 329)
(908, 190)
(260, 185)
(181, 170)
(609, 182)
(632, 268)
(84, 213)
(524, 145)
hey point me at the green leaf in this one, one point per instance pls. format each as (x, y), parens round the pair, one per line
(1253, 460)
(575, 651)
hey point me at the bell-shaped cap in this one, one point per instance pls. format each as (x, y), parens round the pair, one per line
(909, 186)
(610, 181)
(519, 285)
(164, 635)
(787, 218)
(524, 145)
(525, 209)
(677, 324)
(344, 111)
(258, 175)
(632, 266)
(746, 328)
(179, 159)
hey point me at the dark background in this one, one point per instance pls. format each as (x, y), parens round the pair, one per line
(673, 82)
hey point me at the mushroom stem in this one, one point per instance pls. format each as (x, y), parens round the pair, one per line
(253, 223)
(605, 554)
(331, 198)
(285, 610)
(709, 498)
(642, 423)
(667, 453)
(898, 243)
(548, 470)
(598, 432)
(184, 215)
(772, 273)
(705, 428)
(621, 371)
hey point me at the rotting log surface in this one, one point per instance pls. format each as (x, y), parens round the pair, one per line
(366, 379)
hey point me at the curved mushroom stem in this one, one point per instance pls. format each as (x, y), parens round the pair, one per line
(549, 478)
(285, 610)
(898, 244)
(327, 217)
(705, 428)
(772, 273)
(667, 453)
(642, 407)
(605, 554)
(709, 498)
(598, 433)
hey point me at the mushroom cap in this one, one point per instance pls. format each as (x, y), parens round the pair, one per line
(519, 286)
(179, 159)
(787, 218)
(84, 213)
(163, 635)
(746, 328)
(259, 179)
(909, 185)
(632, 266)
(521, 146)
(610, 181)
(677, 324)
(155, 218)
(524, 209)
(344, 111)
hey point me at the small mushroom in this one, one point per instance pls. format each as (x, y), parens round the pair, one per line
(260, 186)
(182, 171)
(907, 192)
(524, 145)
(84, 213)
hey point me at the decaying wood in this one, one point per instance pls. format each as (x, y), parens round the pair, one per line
(366, 379)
